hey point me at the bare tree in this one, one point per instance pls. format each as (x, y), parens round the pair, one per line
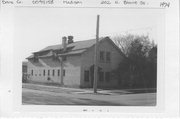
(134, 68)
(124, 42)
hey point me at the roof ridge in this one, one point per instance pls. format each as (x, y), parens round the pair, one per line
(77, 41)
(84, 40)
(71, 43)
(78, 45)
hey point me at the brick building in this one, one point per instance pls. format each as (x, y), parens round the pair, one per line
(72, 63)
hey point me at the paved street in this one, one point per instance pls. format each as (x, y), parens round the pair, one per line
(48, 95)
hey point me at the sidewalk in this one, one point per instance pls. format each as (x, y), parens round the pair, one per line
(50, 95)
(82, 91)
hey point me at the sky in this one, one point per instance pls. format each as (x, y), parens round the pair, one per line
(36, 28)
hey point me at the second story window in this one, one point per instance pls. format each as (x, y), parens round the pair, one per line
(108, 56)
(64, 58)
(101, 55)
(36, 59)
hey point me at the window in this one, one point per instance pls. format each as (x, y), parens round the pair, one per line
(55, 56)
(101, 55)
(107, 76)
(44, 72)
(58, 72)
(32, 72)
(48, 72)
(64, 72)
(24, 69)
(53, 73)
(108, 56)
(101, 76)
(64, 58)
(86, 76)
(36, 59)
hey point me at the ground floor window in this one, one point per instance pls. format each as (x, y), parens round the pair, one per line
(107, 76)
(58, 72)
(53, 73)
(44, 72)
(101, 76)
(86, 76)
(32, 72)
(48, 72)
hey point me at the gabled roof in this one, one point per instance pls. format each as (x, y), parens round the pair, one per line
(52, 47)
(50, 62)
(48, 54)
(38, 64)
(73, 52)
(31, 56)
(73, 48)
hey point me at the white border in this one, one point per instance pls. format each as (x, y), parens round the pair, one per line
(168, 73)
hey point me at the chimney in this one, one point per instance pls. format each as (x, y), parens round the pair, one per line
(64, 44)
(70, 39)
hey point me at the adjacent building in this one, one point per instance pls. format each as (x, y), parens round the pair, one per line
(72, 63)
(24, 71)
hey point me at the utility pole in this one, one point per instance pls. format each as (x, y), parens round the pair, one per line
(96, 57)
(62, 69)
(62, 58)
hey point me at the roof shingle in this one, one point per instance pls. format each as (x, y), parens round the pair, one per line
(76, 45)
(74, 48)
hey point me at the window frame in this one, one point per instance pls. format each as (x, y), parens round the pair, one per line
(64, 58)
(44, 72)
(58, 72)
(48, 72)
(102, 56)
(32, 72)
(53, 72)
(108, 59)
(64, 72)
